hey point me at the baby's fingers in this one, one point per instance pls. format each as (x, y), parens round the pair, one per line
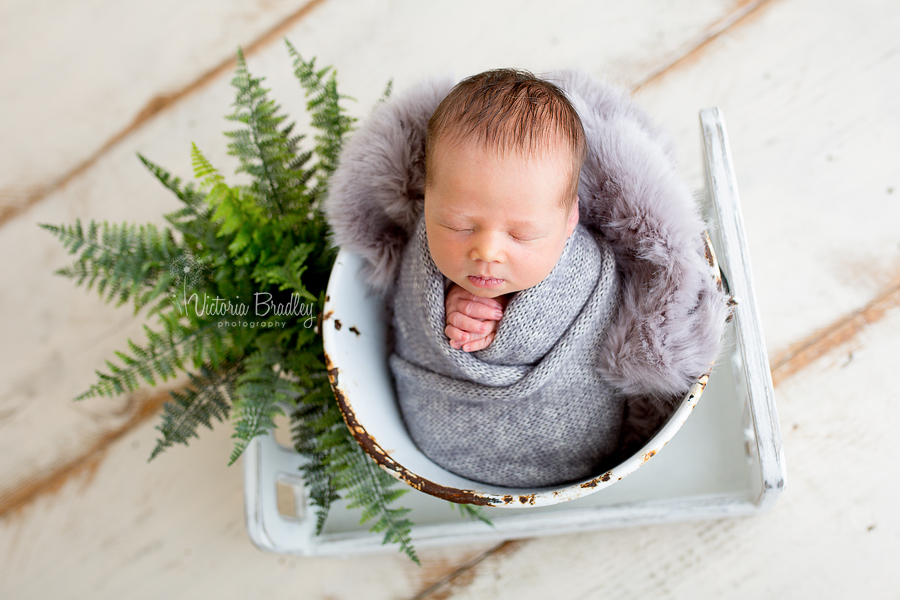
(468, 324)
(481, 310)
(458, 337)
(479, 344)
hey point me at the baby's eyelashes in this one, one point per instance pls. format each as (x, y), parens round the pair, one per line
(458, 229)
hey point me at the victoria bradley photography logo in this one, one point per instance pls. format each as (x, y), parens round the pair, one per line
(188, 272)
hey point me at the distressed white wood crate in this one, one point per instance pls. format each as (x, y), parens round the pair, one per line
(725, 460)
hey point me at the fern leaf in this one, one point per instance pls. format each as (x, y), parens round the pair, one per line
(121, 262)
(203, 169)
(207, 398)
(186, 194)
(260, 391)
(326, 114)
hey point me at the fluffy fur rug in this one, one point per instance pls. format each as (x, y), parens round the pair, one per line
(670, 323)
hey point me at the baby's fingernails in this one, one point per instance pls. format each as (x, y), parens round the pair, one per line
(497, 314)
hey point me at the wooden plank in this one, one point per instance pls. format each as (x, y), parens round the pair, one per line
(832, 533)
(175, 528)
(77, 76)
(624, 42)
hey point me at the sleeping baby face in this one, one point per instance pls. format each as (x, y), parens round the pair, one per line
(495, 222)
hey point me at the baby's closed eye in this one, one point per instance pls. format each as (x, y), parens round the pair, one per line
(527, 235)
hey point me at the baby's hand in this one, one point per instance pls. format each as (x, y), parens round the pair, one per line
(471, 320)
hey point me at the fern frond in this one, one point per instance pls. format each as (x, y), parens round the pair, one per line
(187, 193)
(326, 114)
(204, 171)
(370, 489)
(161, 359)
(471, 511)
(335, 464)
(265, 149)
(208, 397)
(121, 261)
(386, 93)
(268, 236)
(239, 217)
(287, 274)
(259, 394)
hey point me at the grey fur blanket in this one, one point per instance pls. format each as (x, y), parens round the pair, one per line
(531, 409)
(671, 319)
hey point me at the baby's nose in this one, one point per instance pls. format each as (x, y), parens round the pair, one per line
(488, 247)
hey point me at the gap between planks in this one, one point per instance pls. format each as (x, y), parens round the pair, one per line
(154, 107)
(87, 463)
(838, 334)
(740, 16)
(464, 574)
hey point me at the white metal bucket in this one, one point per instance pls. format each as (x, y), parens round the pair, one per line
(354, 331)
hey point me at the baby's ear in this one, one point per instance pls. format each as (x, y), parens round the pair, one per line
(573, 218)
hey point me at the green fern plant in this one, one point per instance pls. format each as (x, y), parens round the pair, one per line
(228, 244)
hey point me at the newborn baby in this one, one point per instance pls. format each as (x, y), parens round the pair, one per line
(500, 235)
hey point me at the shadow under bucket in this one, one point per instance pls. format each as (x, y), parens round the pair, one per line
(355, 335)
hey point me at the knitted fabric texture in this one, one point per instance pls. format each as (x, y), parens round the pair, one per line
(531, 409)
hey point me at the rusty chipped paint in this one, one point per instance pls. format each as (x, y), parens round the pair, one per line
(598, 480)
(337, 324)
(718, 275)
(373, 449)
(647, 456)
(710, 254)
(354, 329)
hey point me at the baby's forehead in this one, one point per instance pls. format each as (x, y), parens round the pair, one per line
(551, 150)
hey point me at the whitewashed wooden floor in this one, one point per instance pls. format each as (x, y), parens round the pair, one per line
(811, 93)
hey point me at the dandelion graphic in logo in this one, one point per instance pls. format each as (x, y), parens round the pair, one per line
(186, 272)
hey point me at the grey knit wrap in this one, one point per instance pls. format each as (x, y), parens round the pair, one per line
(531, 409)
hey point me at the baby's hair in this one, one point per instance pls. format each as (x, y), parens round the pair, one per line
(508, 110)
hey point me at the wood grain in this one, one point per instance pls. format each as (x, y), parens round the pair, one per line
(79, 78)
(809, 90)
